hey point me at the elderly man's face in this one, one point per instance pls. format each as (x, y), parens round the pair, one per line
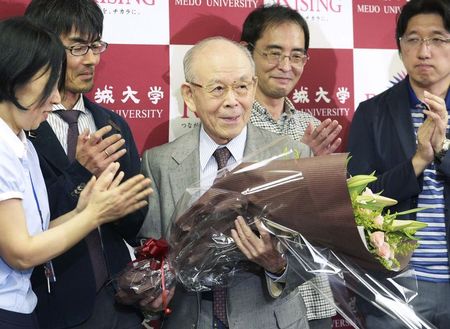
(222, 90)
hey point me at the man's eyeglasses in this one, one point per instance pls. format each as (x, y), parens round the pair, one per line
(297, 58)
(97, 47)
(414, 42)
(220, 90)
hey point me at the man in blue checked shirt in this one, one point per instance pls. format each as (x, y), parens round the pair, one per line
(403, 135)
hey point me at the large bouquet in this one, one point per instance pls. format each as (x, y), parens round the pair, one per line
(310, 207)
(309, 196)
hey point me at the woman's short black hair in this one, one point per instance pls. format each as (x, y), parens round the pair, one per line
(416, 7)
(26, 49)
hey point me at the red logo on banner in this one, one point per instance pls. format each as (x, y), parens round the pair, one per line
(326, 89)
(321, 6)
(136, 87)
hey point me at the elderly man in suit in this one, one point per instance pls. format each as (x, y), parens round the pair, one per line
(220, 87)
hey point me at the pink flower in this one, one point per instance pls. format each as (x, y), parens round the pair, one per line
(382, 248)
(384, 251)
(377, 239)
(378, 221)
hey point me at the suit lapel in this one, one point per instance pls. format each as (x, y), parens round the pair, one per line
(251, 143)
(100, 117)
(399, 108)
(48, 146)
(261, 144)
(186, 159)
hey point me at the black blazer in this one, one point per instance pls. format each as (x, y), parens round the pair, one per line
(72, 296)
(382, 139)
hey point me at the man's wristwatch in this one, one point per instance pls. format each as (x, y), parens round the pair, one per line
(441, 154)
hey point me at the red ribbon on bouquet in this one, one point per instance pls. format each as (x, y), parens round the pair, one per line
(158, 250)
(152, 248)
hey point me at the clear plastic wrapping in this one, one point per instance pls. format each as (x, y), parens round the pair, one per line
(147, 277)
(309, 205)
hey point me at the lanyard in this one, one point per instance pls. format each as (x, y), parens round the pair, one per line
(37, 203)
(48, 266)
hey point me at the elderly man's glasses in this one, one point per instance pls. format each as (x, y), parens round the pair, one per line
(97, 47)
(297, 58)
(220, 90)
(414, 42)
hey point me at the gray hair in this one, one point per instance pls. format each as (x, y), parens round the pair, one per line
(190, 55)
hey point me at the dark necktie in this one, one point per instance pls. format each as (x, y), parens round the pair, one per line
(71, 117)
(93, 239)
(220, 294)
(221, 155)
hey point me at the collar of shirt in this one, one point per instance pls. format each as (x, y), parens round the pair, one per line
(79, 106)
(18, 143)
(288, 106)
(207, 147)
(288, 109)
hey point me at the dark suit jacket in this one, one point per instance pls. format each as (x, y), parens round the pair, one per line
(73, 294)
(382, 139)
